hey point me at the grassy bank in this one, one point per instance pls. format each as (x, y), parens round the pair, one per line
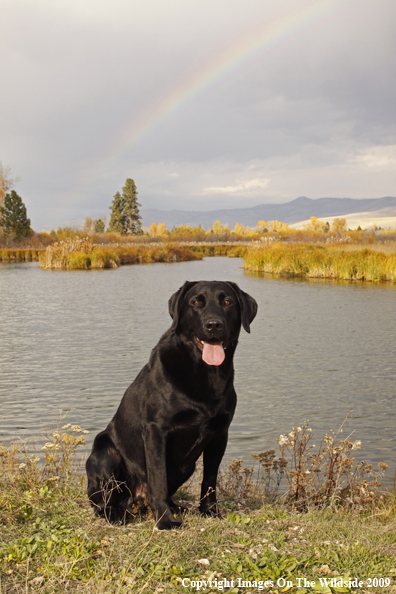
(318, 261)
(52, 543)
(83, 254)
(20, 255)
(232, 250)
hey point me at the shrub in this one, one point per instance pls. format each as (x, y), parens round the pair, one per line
(329, 476)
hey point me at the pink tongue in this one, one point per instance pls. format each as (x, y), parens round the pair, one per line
(213, 354)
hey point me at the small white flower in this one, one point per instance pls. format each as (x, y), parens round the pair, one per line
(283, 440)
(21, 466)
(76, 428)
(356, 444)
(299, 429)
(85, 432)
(56, 435)
(66, 426)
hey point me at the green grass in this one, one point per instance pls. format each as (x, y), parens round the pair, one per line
(51, 542)
(317, 261)
(55, 545)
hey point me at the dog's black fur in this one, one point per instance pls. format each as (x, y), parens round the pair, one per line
(178, 407)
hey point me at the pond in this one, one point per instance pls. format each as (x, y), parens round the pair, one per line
(71, 343)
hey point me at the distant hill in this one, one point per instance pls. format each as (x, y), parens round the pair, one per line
(295, 211)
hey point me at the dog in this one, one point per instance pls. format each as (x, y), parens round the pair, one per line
(180, 405)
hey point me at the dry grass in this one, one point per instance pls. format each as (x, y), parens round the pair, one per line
(19, 255)
(316, 261)
(51, 543)
(82, 254)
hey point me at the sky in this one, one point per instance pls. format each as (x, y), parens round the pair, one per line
(206, 105)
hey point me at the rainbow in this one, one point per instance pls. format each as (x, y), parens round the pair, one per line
(263, 37)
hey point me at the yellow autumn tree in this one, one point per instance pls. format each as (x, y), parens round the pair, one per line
(239, 229)
(159, 230)
(162, 230)
(261, 225)
(6, 181)
(339, 225)
(217, 228)
(316, 224)
(88, 224)
(276, 226)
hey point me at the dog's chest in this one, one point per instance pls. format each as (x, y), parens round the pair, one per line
(188, 440)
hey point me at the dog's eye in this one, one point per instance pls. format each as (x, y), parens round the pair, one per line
(227, 302)
(196, 302)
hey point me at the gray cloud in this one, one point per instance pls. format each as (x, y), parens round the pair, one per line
(311, 113)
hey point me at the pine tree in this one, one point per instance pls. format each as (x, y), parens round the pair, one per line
(99, 226)
(13, 216)
(118, 219)
(133, 225)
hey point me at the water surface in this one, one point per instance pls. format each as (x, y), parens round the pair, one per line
(71, 343)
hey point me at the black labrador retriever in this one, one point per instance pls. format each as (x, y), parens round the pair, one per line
(180, 405)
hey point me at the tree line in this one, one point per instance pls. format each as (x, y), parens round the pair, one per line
(125, 220)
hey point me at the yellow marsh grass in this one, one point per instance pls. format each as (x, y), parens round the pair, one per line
(19, 255)
(316, 261)
(82, 254)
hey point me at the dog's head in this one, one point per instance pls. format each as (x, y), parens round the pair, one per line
(210, 314)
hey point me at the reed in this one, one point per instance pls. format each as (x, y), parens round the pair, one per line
(72, 253)
(318, 261)
(147, 254)
(76, 253)
(19, 255)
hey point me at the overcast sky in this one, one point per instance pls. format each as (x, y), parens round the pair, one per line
(205, 104)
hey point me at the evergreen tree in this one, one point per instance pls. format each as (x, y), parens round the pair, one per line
(99, 226)
(13, 216)
(118, 219)
(133, 225)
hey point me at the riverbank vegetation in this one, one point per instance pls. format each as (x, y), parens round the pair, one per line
(335, 521)
(19, 255)
(314, 233)
(337, 262)
(83, 254)
(318, 251)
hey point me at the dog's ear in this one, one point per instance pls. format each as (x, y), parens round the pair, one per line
(176, 301)
(247, 304)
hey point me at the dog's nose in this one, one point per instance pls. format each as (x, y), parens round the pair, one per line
(213, 324)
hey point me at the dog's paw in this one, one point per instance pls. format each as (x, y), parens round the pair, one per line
(167, 524)
(210, 511)
(166, 521)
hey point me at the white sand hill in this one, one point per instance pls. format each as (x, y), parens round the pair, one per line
(366, 220)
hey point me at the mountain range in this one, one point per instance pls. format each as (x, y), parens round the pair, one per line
(296, 211)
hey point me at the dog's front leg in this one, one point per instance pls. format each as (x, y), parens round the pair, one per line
(213, 455)
(155, 450)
